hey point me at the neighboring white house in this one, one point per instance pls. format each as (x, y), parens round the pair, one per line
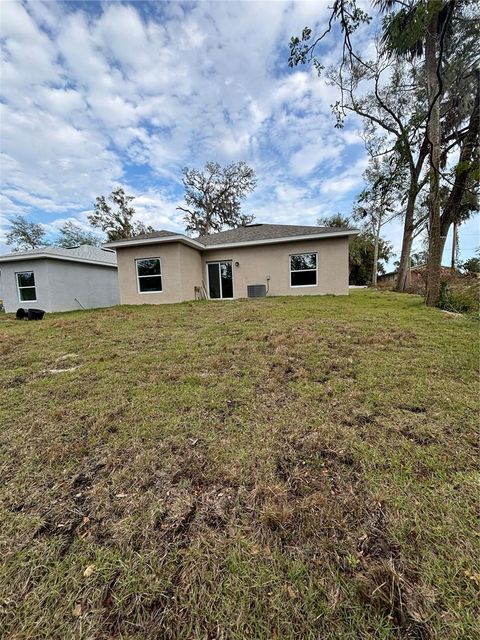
(58, 279)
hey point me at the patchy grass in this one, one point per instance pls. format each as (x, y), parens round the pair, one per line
(278, 468)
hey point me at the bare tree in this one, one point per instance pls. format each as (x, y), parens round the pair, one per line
(444, 35)
(394, 107)
(214, 196)
(117, 222)
(425, 117)
(25, 235)
(377, 204)
(72, 235)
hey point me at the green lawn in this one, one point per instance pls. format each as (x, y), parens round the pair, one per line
(263, 469)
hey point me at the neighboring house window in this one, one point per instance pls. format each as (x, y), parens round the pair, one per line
(26, 286)
(303, 270)
(149, 275)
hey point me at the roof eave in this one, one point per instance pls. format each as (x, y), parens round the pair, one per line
(52, 256)
(161, 239)
(227, 245)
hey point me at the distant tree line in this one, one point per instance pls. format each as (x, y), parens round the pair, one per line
(115, 220)
(213, 202)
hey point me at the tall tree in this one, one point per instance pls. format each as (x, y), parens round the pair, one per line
(437, 41)
(445, 34)
(214, 196)
(419, 29)
(72, 235)
(461, 192)
(363, 254)
(116, 221)
(432, 63)
(377, 203)
(25, 235)
(364, 249)
(394, 107)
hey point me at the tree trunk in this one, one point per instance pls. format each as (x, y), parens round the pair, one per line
(463, 169)
(454, 246)
(403, 275)
(434, 232)
(375, 251)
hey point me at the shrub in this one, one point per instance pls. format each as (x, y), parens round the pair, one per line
(461, 297)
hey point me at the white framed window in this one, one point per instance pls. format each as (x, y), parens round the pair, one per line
(26, 286)
(303, 270)
(149, 275)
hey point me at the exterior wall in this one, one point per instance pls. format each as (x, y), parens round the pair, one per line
(191, 270)
(183, 268)
(92, 285)
(9, 285)
(256, 262)
(181, 271)
(59, 282)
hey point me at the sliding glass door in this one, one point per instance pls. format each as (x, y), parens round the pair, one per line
(220, 280)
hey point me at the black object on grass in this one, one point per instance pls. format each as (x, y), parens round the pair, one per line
(35, 314)
(29, 314)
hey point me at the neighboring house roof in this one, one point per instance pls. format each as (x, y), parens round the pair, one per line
(419, 268)
(84, 253)
(254, 234)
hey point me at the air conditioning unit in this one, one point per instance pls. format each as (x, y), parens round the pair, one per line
(256, 290)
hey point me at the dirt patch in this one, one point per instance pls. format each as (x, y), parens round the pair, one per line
(393, 337)
(321, 492)
(317, 493)
(386, 583)
(414, 435)
(9, 344)
(67, 515)
(185, 513)
(412, 408)
(17, 381)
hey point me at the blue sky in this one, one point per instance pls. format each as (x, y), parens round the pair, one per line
(97, 95)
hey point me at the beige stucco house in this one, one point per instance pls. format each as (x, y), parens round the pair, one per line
(258, 259)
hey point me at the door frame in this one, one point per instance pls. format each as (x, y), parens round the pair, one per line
(220, 279)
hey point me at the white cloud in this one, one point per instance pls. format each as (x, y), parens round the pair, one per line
(310, 156)
(107, 94)
(346, 181)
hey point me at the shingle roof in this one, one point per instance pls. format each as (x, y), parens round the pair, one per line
(83, 253)
(254, 232)
(145, 236)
